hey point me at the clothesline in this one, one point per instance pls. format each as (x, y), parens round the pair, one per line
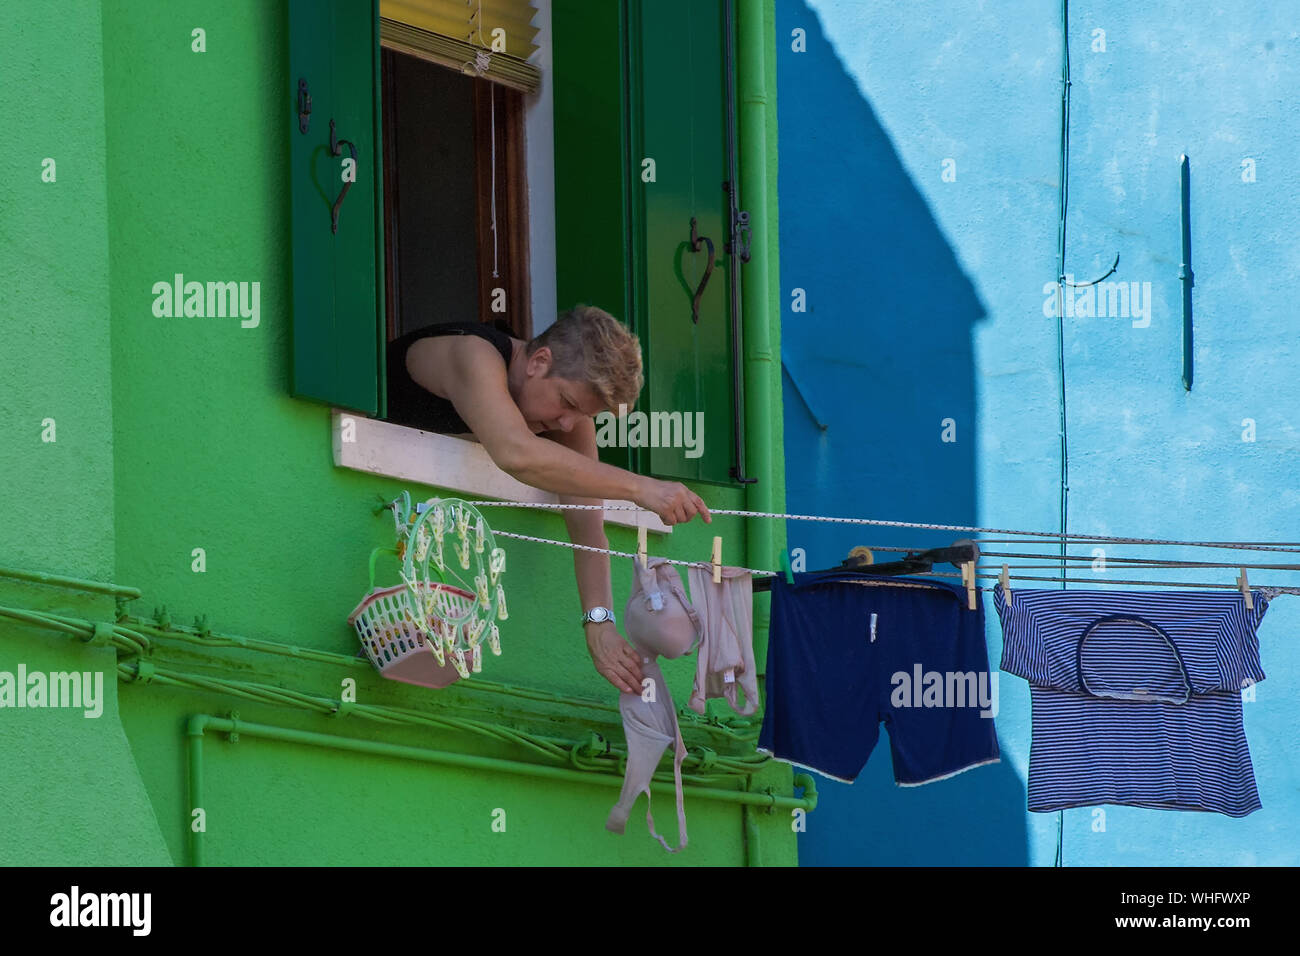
(1055, 535)
(1133, 563)
(1250, 545)
(1268, 591)
(621, 554)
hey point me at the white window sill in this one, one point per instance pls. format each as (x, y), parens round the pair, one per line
(445, 461)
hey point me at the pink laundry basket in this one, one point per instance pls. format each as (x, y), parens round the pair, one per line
(397, 646)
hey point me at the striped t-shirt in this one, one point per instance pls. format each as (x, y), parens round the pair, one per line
(1136, 696)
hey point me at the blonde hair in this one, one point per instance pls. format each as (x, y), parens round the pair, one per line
(590, 345)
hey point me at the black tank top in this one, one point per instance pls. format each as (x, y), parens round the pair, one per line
(410, 403)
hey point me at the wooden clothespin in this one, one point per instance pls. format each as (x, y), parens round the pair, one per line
(717, 560)
(968, 579)
(1245, 590)
(1005, 580)
(641, 545)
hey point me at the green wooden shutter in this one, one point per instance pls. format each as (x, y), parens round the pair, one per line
(627, 85)
(591, 227)
(338, 329)
(679, 119)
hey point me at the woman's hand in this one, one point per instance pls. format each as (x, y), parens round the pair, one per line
(614, 658)
(672, 501)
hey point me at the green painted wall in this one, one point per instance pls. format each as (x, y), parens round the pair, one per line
(179, 433)
(58, 495)
(54, 285)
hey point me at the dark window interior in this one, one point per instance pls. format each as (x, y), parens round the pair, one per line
(439, 178)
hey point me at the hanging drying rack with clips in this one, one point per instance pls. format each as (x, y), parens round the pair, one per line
(961, 554)
(965, 553)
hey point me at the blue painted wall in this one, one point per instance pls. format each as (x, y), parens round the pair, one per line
(924, 300)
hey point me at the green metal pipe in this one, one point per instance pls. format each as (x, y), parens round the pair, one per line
(96, 587)
(809, 784)
(100, 633)
(146, 672)
(754, 79)
(753, 855)
(749, 836)
(200, 723)
(54, 622)
(197, 724)
(477, 686)
(127, 639)
(753, 82)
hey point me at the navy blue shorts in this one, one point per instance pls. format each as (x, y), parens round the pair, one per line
(849, 651)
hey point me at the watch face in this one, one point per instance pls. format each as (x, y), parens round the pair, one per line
(598, 614)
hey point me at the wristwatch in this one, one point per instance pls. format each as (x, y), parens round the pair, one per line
(598, 615)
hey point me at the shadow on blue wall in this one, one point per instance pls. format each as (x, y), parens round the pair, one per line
(881, 357)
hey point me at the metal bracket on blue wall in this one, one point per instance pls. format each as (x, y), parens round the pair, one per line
(1185, 267)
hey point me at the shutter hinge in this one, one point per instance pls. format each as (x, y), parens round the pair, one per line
(738, 240)
(741, 229)
(304, 106)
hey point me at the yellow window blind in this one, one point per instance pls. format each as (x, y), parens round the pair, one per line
(492, 39)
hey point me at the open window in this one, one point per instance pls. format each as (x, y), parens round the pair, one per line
(455, 219)
(428, 141)
(407, 180)
(455, 226)
(408, 184)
